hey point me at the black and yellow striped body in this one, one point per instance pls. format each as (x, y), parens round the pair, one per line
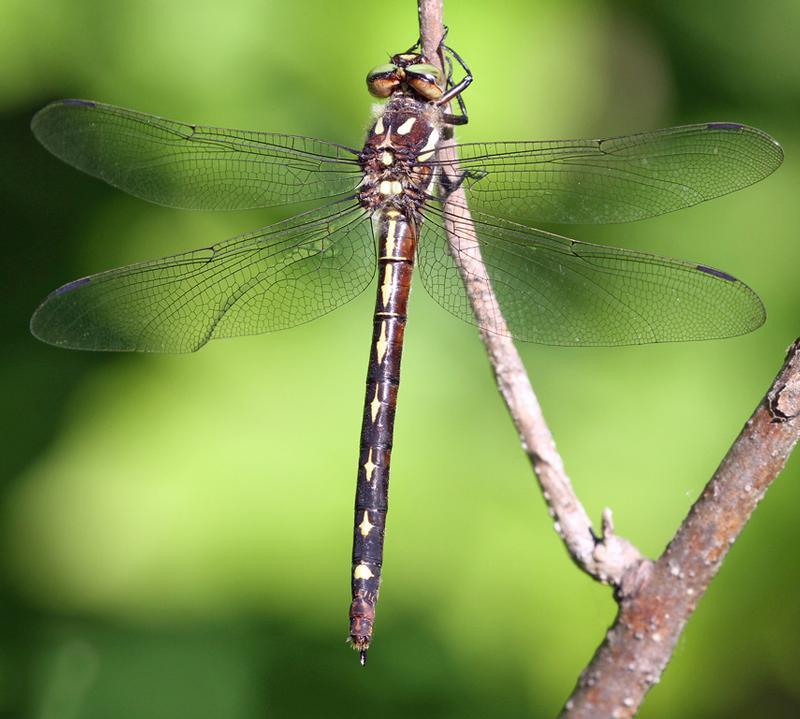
(395, 264)
(396, 182)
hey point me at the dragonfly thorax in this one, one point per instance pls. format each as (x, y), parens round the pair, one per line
(395, 159)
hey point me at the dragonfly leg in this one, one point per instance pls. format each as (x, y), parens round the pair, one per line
(450, 183)
(416, 46)
(454, 91)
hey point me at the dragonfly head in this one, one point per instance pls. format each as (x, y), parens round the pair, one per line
(407, 72)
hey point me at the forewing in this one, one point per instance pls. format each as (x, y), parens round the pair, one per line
(270, 279)
(193, 166)
(557, 291)
(617, 179)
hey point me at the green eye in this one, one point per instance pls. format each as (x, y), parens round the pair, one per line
(383, 80)
(425, 80)
(379, 70)
(429, 72)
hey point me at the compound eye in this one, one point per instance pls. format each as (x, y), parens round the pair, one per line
(428, 72)
(425, 79)
(383, 80)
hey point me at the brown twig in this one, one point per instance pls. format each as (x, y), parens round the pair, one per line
(608, 558)
(653, 614)
(655, 599)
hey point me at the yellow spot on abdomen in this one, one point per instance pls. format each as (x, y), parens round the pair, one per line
(386, 287)
(391, 232)
(369, 467)
(382, 344)
(366, 526)
(362, 571)
(375, 405)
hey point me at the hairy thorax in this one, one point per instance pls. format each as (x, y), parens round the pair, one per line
(395, 159)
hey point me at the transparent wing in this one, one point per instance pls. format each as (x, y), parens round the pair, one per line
(557, 291)
(270, 279)
(618, 179)
(192, 166)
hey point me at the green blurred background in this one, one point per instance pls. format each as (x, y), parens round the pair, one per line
(176, 530)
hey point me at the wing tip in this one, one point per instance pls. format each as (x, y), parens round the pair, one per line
(740, 127)
(716, 273)
(726, 126)
(69, 102)
(75, 101)
(70, 286)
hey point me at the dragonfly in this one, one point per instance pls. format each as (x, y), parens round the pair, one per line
(385, 209)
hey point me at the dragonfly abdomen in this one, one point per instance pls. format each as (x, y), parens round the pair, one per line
(397, 239)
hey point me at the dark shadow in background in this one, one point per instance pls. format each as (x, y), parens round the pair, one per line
(241, 670)
(44, 209)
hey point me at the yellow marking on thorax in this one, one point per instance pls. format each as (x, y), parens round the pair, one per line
(375, 405)
(382, 344)
(430, 146)
(390, 187)
(362, 571)
(366, 526)
(386, 287)
(405, 128)
(369, 466)
(387, 158)
(378, 130)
